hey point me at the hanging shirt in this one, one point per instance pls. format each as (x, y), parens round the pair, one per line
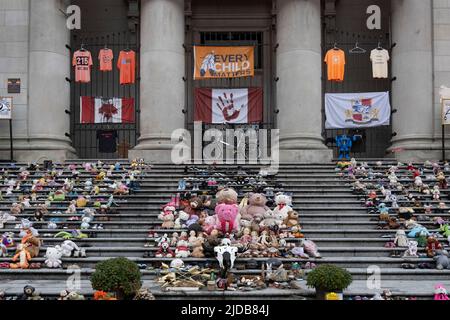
(127, 65)
(82, 61)
(379, 60)
(105, 56)
(107, 141)
(335, 60)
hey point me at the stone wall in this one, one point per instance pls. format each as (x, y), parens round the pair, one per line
(14, 19)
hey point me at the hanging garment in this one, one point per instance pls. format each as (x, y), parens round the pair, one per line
(379, 58)
(105, 56)
(107, 141)
(127, 65)
(335, 60)
(82, 61)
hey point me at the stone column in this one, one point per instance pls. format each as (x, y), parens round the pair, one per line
(49, 92)
(412, 92)
(299, 89)
(162, 88)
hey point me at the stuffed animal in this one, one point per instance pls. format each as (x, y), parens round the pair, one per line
(227, 196)
(269, 220)
(16, 208)
(194, 207)
(417, 230)
(227, 218)
(182, 249)
(411, 252)
(164, 251)
(440, 293)
(283, 207)
(210, 224)
(400, 239)
(70, 249)
(31, 242)
(432, 246)
(6, 242)
(180, 222)
(23, 256)
(442, 261)
(311, 248)
(442, 180)
(292, 219)
(445, 229)
(72, 208)
(167, 216)
(53, 256)
(256, 206)
(436, 193)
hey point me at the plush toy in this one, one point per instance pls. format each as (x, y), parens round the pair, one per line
(6, 242)
(445, 229)
(299, 252)
(417, 230)
(411, 252)
(81, 202)
(164, 251)
(16, 208)
(227, 218)
(31, 243)
(53, 256)
(432, 246)
(72, 208)
(440, 293)
(311, 248)
(256, 206)
(180, 222)
(210, 224)
(182, 249)
(283, 205)
(269, 220)
(70, 249)
(442, 261)
(227, 196)
(167, 216)
(440, 177)
(23, 256)
(194, 207)
(400, 239)
(436, 193)
(292, 219)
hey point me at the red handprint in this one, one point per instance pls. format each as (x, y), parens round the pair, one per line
(227, 108)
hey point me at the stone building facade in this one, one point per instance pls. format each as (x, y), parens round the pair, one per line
(35, 46)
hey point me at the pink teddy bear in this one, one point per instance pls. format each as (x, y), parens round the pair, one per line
(227, 217)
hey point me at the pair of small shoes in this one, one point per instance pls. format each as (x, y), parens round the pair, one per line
(425, 265)
(98, 227)
(4, 265)
(310, 265)
(35, 265)
(142, 266)
(408, 266)
(390, 245)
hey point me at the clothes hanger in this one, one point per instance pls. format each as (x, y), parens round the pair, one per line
(335, 47)
(357, 49)
(82, 47)
(379, 46)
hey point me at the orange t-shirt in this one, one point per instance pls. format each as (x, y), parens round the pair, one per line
(82, 61)
(127, 65)
(335, 60)
(106, 57)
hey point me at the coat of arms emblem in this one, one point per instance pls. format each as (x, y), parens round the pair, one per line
(362, 112)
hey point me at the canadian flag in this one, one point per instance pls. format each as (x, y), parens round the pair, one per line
(106, 110)
(228, 105)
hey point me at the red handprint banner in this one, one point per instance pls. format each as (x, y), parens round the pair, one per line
(228, 105)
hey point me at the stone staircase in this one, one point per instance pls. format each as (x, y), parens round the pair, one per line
(330, 213)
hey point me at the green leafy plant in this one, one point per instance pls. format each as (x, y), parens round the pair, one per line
(329, 278)
(118, 275)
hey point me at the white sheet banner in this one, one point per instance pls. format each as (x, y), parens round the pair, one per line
(357, 110)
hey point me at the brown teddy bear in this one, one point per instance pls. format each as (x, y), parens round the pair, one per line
(292, 219)
(227, 196)
(194, 207)
(256, 206)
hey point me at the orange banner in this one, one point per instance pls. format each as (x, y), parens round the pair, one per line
(223, 62)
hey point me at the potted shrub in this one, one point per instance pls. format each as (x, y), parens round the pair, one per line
(328, 278)
(119, 275)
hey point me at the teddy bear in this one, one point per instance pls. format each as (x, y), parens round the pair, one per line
(16, 208)
(227, 196)
(164, 250)
(433, 245)
(53, 257)
(442, 180)
(269, 220)
(292, 219)
(182, 249)
(442, 261)
(256, 206)
(180, 222)
(227, 218)
(283, 206)
(167, 216)
(400, 238)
